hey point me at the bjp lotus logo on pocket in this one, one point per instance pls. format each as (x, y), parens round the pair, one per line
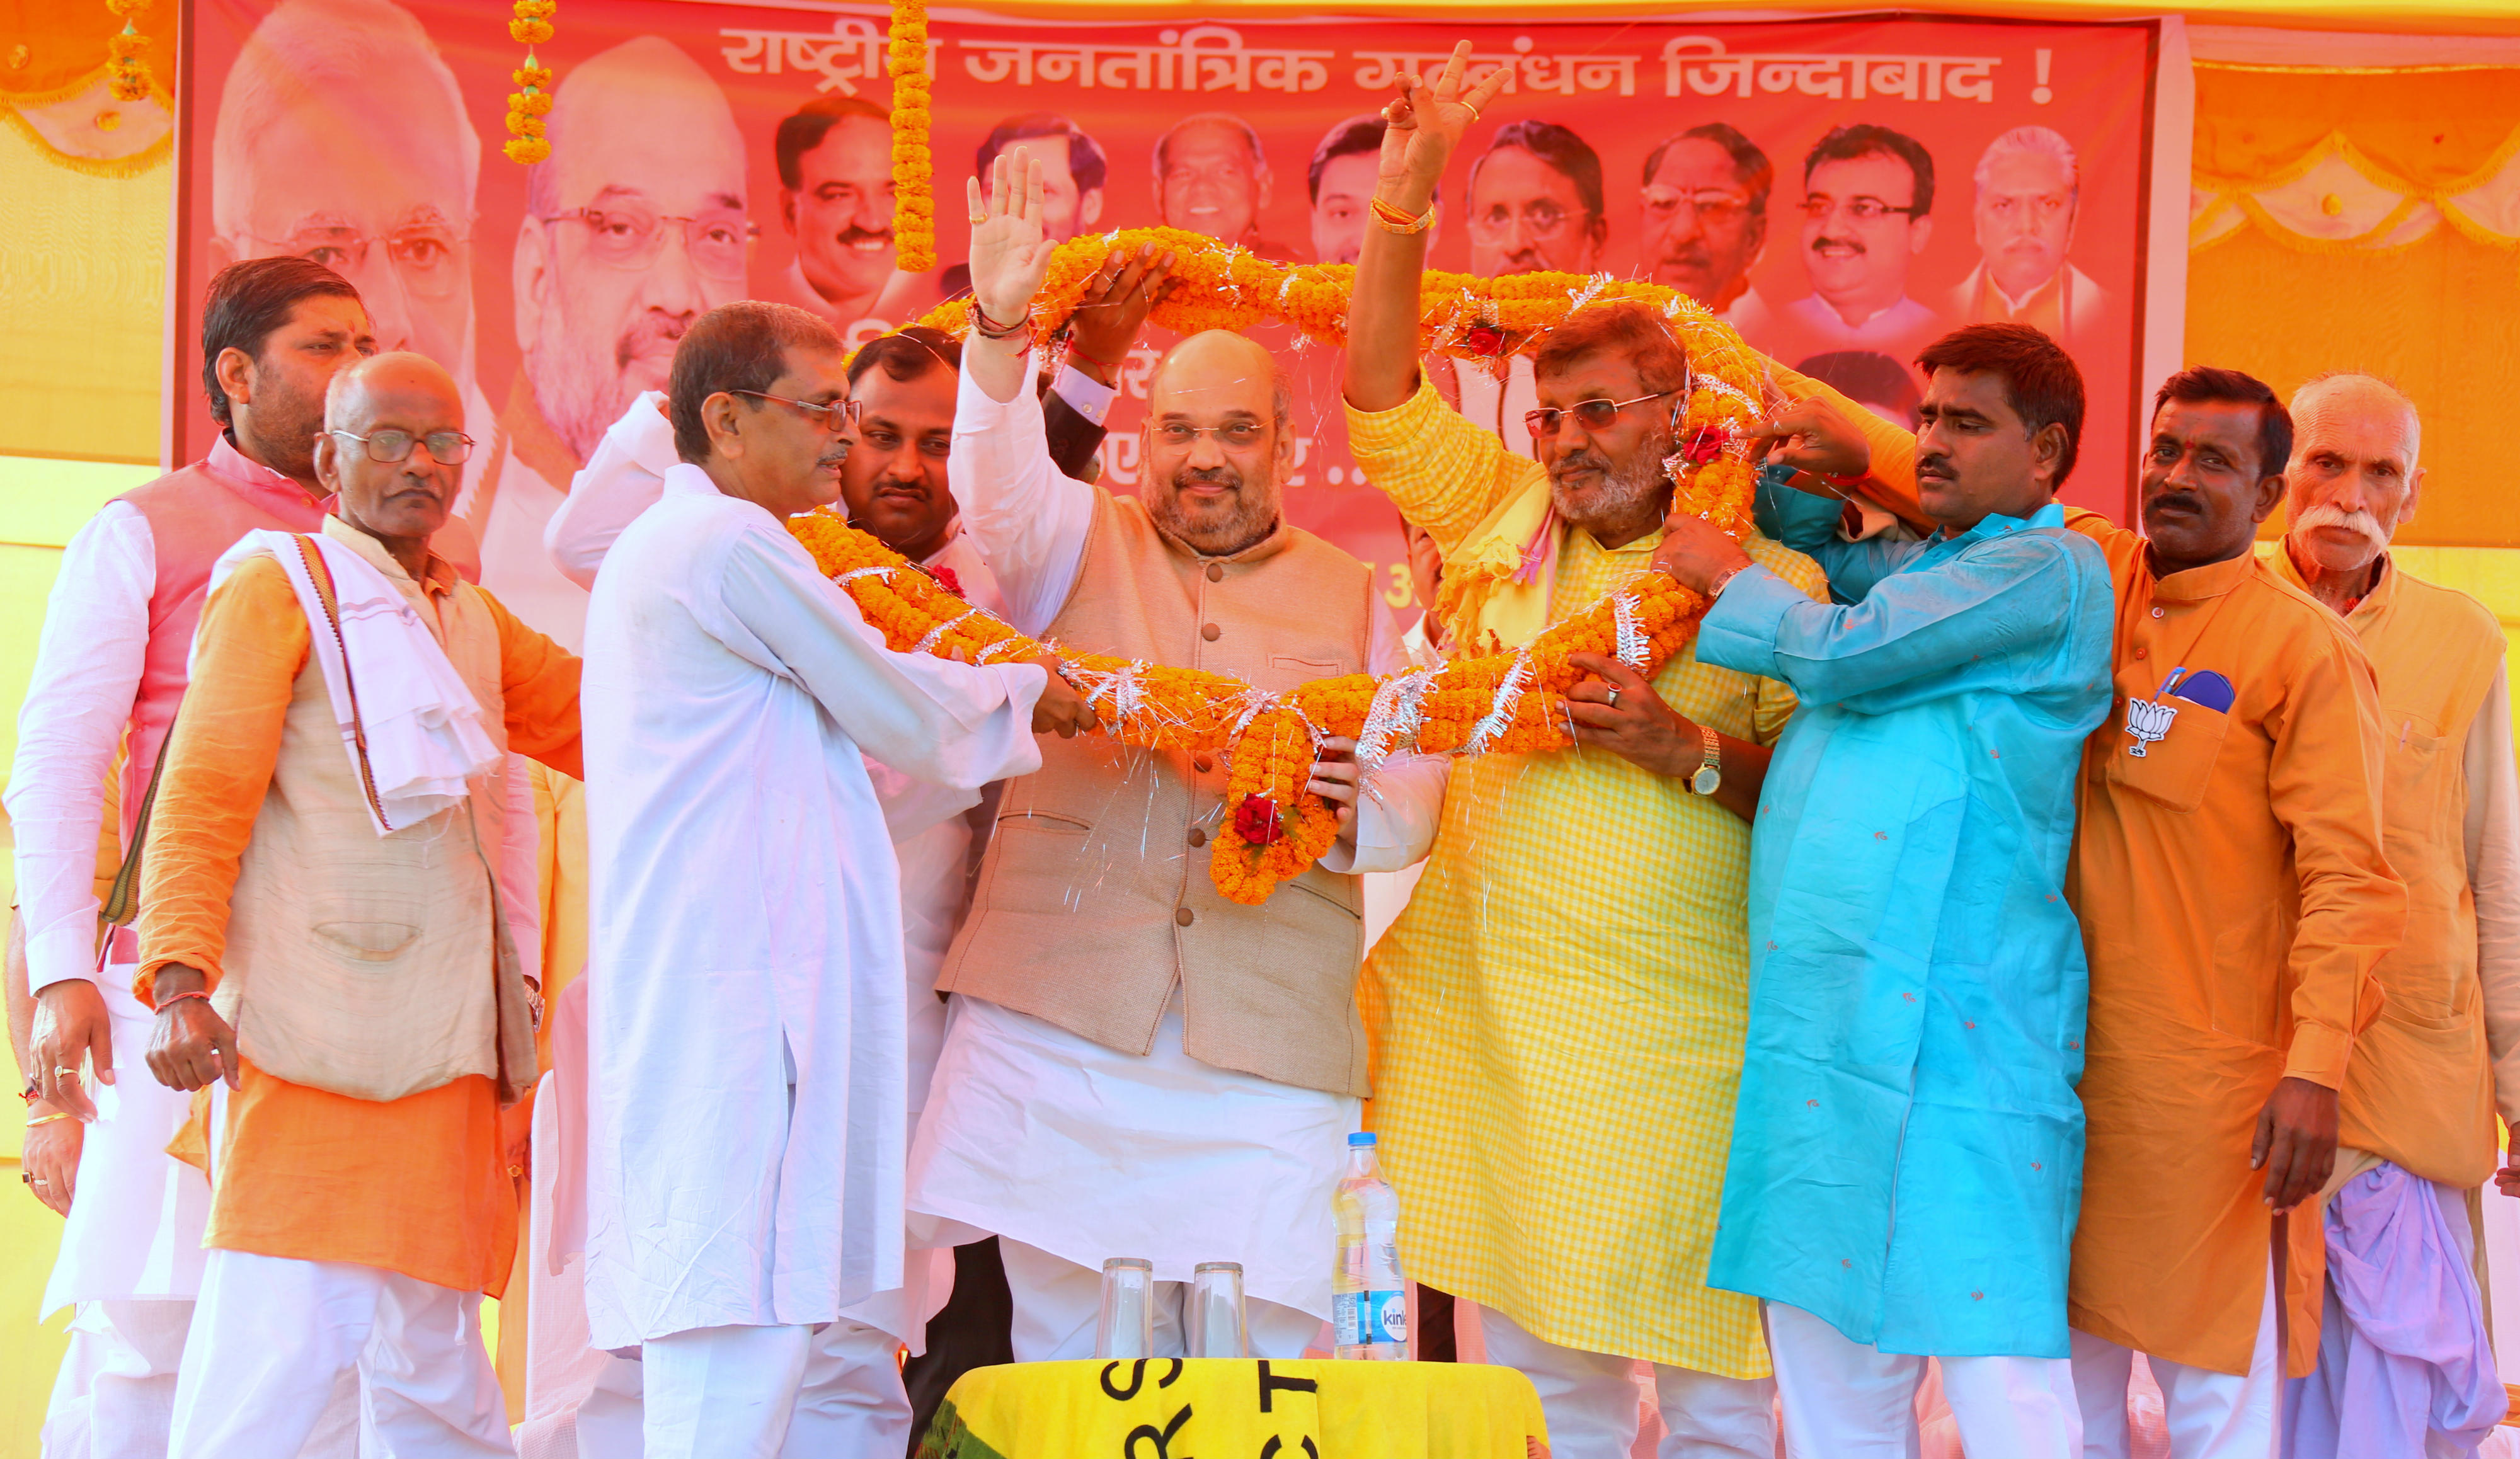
(2147, 721)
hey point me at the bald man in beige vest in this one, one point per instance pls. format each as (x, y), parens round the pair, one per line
(1136, 1066)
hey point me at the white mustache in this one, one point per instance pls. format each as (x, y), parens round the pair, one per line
(2329, 514)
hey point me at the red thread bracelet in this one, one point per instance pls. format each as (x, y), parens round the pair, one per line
(1092, 359)
(172, 998)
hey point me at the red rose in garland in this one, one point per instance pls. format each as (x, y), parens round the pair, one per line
(1483, 339)
(1257, 823)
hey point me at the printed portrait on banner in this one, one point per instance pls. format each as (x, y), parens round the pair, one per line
(1840, 191)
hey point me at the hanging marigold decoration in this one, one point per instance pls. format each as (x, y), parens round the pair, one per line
(531, 101)
(914, 194)
(127, 69)
(1273, 828)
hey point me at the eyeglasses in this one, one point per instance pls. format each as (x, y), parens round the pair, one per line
(1235, 435)
(1819, 205)
(447, 448)
(1591, 415)
(428, 257)
(1712, 206)
(631, 238)
(1539, 220)
(837, 417)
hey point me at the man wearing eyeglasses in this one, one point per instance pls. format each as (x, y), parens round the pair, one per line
(1558, 1013)
(109, 672)
(835, 188)
(1137, 1066)
(1705, 206)
(1535, 207)
(342, 138)
(323, 940)
(634, 227)
(2029, 194)
(1868, 212)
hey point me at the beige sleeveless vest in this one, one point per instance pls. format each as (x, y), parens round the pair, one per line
(1094, 901)
(378, 966)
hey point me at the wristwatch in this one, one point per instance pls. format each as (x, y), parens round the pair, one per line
(1710, 771)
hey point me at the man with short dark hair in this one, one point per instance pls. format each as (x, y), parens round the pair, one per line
(1340, 184)
(1868, 211)
(834, 158)
(1533, 1024)
(1907, 1150)
(109, 672)
(1073, 169)
(2229, 876)
(724, 663)
(322, 936)
(1535, 206)
(1706, 205)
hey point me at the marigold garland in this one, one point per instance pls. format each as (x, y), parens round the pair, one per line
(531, 102)
(913, 199)
(127, 69)
(1503, 703)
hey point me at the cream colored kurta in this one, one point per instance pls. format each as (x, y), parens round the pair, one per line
(1557, 1016)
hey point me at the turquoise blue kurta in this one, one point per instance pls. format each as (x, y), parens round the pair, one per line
(1908, 1148)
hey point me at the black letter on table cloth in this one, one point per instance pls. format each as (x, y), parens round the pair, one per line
(1162, 1438)
(1269, 1449)
(1138, 1378)
(1268, 1384)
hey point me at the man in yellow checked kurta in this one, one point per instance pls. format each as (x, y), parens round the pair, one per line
(1558, 1014)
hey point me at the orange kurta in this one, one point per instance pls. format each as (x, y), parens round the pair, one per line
(2420, 1089)
(2233, 897)
(416, 1185)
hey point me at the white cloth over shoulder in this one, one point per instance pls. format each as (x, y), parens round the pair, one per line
(425, 739)
(747, 1122)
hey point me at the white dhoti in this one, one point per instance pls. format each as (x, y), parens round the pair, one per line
(2210, 1415)
(1084, 1153)
(1844, 1400)
(1590, 1400)
(130, 1255)
(275, 1339)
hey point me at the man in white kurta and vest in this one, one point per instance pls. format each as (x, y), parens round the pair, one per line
(323, 940)
(109, 672)
(1137, 1066)
(746, 1011)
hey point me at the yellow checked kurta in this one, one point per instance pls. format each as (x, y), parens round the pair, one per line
(1557, 1016)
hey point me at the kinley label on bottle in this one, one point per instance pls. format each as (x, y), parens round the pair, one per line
(1365, 1318)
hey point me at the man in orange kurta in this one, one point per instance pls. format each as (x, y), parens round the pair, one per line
(2233, 896)
(348, 1230)
(2417, 1137)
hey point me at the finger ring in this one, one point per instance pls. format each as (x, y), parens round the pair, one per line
(65, 1071)
(1474, 111)
(1614, 696)
(39, 1180)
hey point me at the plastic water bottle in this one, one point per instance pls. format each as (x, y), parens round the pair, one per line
(1368, 1297)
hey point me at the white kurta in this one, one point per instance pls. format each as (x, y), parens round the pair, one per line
(748, 946)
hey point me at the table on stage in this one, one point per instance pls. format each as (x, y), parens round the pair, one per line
(1220, 1408)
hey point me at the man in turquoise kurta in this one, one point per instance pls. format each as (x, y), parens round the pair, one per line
(1907, 1147)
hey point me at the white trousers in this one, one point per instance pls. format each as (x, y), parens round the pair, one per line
(1590, 1400)
(740, 1392)
(1851, 1401)
(273, 1339)
(2210, 1415)
(114, 1396)
(1057, 1304)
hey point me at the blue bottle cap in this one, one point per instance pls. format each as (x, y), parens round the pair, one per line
(1360, 1137)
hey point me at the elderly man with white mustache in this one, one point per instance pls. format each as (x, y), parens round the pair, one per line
(2417, 1136)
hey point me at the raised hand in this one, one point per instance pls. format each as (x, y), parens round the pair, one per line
(1009, 254)
(1425, 122)
(1815, 438)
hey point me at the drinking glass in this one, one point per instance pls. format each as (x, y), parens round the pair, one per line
(1216, 1321)
(1126, 1327)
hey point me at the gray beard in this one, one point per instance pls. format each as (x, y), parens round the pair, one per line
(1249, 520)
(579, 394)
(1626, 487)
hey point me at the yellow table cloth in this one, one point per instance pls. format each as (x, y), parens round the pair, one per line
(1222, 1409)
